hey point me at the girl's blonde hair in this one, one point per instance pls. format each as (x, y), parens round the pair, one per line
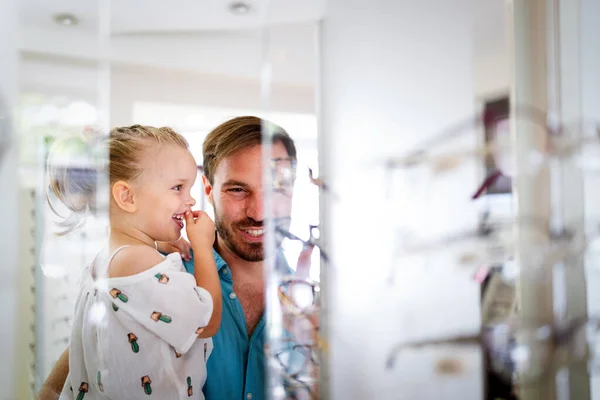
(77, 166)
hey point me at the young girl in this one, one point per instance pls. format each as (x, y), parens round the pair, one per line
(142, 325)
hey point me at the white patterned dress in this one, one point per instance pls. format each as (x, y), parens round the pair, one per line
(136, 337)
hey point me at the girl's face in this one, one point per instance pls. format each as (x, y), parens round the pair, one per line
(162, 192)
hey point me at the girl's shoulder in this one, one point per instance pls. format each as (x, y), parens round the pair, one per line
(133, 260)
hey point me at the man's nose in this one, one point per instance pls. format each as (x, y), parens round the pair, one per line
(255, 206)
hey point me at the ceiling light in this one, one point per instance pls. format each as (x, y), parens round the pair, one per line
(66, 19)
(240, 8)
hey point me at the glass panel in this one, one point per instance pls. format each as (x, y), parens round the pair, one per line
(87, 68)
(293, 244)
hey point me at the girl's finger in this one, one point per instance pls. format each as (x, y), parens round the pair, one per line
(196, 213)
(189, 217)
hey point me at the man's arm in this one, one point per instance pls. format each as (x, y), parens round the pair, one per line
(55, 382)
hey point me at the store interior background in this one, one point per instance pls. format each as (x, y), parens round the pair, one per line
(191, 67)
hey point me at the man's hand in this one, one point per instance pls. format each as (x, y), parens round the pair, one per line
(56, 380)
(180, 246)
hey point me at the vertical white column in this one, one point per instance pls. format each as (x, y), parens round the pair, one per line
(9, 200)
(590, 58)
(568, 185)
(531, 23)
(589, 69)
(393, 73)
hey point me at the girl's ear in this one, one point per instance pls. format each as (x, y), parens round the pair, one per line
(122, 194)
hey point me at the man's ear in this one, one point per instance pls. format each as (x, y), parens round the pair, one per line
(208, 190)
(122, 194)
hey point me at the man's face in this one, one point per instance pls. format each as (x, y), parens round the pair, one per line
(237, 197)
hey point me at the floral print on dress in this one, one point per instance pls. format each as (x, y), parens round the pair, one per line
(158, 316)
(133, 341)
(146, 384)
(132, 371)
(117, 294)
(99, 378)
(189, 385)
(162, 278)
(83, 389)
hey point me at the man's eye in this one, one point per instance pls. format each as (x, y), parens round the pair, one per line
(235, 190)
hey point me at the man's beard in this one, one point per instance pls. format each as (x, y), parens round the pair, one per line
(251, 252)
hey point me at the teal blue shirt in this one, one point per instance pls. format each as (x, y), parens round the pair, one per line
(236, 368)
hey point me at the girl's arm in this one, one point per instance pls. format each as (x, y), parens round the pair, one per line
(201, 233)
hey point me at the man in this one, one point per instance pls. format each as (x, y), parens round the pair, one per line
(233, 184)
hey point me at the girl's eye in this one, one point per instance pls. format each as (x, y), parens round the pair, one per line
(178, 187)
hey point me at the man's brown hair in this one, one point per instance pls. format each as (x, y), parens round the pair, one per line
(238, 134)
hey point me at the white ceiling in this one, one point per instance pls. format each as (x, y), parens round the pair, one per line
(192, 35)
(163, 16)
(204, 36)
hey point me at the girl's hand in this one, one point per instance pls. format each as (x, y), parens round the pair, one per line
(200, 229)
(180, 246)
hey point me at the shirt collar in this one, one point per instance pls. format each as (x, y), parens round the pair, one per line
(281, 262)
(219, 260)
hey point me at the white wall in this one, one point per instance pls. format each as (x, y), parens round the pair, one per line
(150, 85)
(392, 76)
(490, 48)
(491, 74)
(138, 83)
(9, 200)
